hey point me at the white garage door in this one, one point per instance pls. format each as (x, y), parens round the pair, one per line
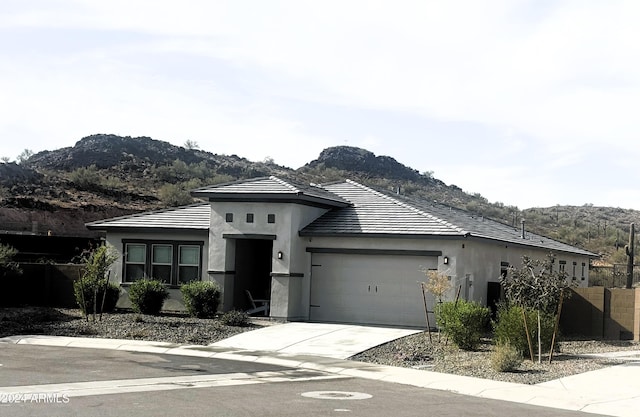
(369, 289)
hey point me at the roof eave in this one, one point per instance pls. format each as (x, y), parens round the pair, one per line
(532, 244)
(139, 229)
(304, 233)
(296, 198)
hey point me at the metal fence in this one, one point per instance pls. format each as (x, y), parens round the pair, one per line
(612, 276)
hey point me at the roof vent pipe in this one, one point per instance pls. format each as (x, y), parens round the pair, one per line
(524, 236)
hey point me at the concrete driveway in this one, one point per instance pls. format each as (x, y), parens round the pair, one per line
(339, 341)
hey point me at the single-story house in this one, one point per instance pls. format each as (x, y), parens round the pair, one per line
(338, 252)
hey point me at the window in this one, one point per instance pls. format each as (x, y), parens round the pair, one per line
(504, 269)
(161, 262)
(173, 263)
(573, 277)
(583, 267)
(189, 263)
(135, 261)
(249, 217)
(229, 217)
(562, 266)
(271, 218)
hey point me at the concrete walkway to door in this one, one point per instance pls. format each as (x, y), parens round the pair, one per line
(339, 341)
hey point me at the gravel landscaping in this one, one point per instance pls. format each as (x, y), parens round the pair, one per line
(413, 351)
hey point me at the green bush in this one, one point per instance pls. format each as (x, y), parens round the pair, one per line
(505, 357)
(7, 264)
(147, 296)
(87, 178)
(93, 295)
(509, 328)
(235, 318)
(464, 322)
(201, 298)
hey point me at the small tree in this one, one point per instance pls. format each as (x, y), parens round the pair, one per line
(93, 289)
(537, 286)
(191, 144)
(24, 156)
(437, 284)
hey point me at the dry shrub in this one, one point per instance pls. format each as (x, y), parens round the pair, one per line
(505, 357)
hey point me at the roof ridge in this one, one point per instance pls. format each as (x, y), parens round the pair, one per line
(407, 206)
(285, 183)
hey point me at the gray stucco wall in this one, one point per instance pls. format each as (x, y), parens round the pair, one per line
(472, 263)
(290, 281)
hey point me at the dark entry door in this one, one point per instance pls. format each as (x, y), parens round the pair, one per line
(253, 271)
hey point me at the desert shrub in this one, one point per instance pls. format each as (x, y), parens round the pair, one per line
(235, 318)
(464, 322)
(90, 294)
(505, 357)
(201, 298)
(7, 264)
(175, 195)
(147, 296)
(87, 178)
(509, 328)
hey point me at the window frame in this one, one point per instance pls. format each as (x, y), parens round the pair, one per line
(126, 263)
(153, 263)
(197, 265)
(148, 264)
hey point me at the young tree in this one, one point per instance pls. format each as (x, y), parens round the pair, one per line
(24, 156)
(93, 287)
(535, 286)
(191, 144)
(437, 284)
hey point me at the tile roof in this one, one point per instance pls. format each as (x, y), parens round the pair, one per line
(269, 188)
(377, 213)
(355, 210)
(193, 217)
(374, 212)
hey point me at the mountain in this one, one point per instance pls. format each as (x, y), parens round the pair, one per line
(107, 175)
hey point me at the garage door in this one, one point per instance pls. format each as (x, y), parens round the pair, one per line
(368, 289)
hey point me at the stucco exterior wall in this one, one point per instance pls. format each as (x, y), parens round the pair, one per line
(471, 263)
(289, 276)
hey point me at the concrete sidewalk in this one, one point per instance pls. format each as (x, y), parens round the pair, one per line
(599, 392)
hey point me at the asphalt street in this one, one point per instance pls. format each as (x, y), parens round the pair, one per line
(59, 381)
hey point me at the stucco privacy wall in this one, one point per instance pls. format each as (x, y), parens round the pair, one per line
(289, 281)
(174, 302)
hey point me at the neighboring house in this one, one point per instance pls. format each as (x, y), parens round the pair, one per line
(339, 252)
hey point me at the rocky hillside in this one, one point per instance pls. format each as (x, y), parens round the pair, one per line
(106, 175)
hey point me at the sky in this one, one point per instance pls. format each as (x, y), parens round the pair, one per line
(528, 103)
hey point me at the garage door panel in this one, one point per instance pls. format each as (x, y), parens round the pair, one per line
(368, 289)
